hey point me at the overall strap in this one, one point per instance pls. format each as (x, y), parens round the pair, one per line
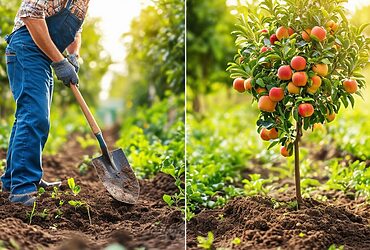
(69, 3)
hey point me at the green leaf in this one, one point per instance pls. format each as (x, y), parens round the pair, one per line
(168, 200)
(71, 183)
(260, 82)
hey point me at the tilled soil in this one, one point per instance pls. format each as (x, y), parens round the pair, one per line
(261, 226)
(149, 224)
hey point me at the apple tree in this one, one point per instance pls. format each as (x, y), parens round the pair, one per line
(301, 61)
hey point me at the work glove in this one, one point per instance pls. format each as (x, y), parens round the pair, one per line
(65, 72)
(73, 59)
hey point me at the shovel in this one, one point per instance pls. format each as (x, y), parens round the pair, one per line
(112, 167)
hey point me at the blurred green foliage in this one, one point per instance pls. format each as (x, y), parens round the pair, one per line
(156, 55)
(209, 47)
(154, 139)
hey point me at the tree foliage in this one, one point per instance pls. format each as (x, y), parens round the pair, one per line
(209, 46)
(344, 51)
(156, 54)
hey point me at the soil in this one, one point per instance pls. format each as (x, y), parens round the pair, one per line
(149, 224)
(262, 223)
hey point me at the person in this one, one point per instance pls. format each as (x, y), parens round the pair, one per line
(43, 31)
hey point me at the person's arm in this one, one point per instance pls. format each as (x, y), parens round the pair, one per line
(40, 35)
(74, 48)
(74, 52)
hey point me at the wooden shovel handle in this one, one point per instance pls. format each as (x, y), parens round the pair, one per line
(85, 109)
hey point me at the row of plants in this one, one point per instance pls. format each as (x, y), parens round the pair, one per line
(154, 141)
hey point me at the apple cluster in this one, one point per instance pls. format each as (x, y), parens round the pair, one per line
(294, 78)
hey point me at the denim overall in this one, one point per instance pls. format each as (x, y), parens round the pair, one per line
(31, 83)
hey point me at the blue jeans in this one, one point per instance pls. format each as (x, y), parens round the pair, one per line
(31, 82)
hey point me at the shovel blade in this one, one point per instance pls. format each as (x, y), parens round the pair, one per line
(119, 180)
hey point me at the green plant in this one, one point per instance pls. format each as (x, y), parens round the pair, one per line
(76, 204)
(74, 188)
(55, 194)
(31, 214)
(236, 241)
(86, 141)
(327, 58)
(85, 165)
(2, 165)
(335, 247)
(256, 185)
(206, 242)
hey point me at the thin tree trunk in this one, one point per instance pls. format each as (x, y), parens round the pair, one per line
(296, 165)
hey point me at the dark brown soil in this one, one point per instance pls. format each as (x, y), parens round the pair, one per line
(150, 223)
(261, 226)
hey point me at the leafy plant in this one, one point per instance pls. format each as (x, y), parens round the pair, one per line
(256, 185)
(74, 188)
(85, 165)
(300, 72)
(206, 242)
(76, 204)
(2, 165)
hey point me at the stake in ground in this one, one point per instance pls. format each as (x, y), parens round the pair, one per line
(301, 61)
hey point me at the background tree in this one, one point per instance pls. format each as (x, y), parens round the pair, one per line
(209, 46)
(156, 55)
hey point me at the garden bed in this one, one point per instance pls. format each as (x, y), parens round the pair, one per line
(151, 223)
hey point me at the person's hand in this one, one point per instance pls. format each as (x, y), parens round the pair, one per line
(73, 59)
(65, 72)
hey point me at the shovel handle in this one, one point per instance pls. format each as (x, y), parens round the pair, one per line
(85, 109)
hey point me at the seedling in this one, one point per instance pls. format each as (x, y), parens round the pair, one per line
(2, 165)
(300, 67)
(56, 193)
(206, 242)
(77, 204)
(74, 188)
(256, 185)
(236, 241)
(33, 211)
(85, 165)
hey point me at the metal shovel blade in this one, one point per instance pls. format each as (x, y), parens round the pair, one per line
(119, 180)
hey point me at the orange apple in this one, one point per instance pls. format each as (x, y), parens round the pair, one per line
(299, 79)
(284, 152)
(265, 134)
(285, 72)
(238, 84)
(260, 90)
(298, 63)
(332, 26)
(350, 85)
(266, 104)
(320, 69)
(290, 31)
(273, 39)
(264, 49)
(282, 32)
(318, 33)
(306, 35)
(273, 134)
(305, 109)
(293, 89)
(276, 94)
(248, 84)
(330, 117)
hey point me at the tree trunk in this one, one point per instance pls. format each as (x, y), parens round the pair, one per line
(296, 165)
